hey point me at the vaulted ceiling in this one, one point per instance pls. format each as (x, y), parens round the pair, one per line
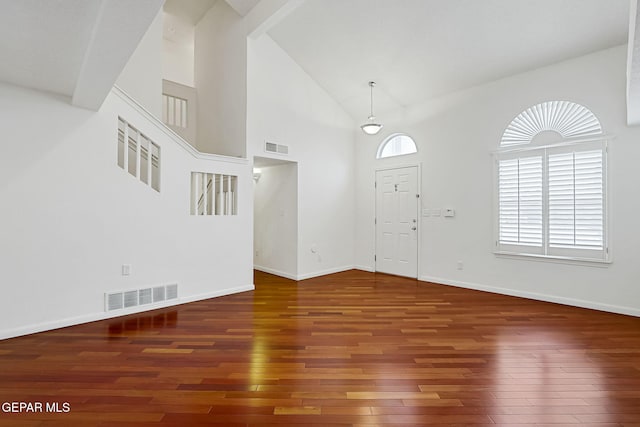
(74, 48)
(419, 49)
(414, 49)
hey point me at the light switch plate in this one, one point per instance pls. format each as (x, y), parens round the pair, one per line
(126, 269)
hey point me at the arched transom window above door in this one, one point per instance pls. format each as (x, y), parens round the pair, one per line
(397, 144)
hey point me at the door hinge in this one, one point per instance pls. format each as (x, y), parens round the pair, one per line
(375, 184)
(375, 258)
(375, 221)
(417, 196)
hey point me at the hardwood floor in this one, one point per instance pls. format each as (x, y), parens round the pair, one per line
(350, 349)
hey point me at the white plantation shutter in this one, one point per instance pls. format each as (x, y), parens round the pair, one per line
(561, 200)
(508, 201)
(576, 201)
(520, 201)
(589, 197)
(552, 201)
(530, 200)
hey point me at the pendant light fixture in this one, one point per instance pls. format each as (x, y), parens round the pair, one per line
(371, 127)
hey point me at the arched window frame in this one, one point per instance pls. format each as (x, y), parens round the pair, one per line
(389, 140)
(551, 199)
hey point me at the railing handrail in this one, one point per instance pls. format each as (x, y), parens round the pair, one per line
(173, 135)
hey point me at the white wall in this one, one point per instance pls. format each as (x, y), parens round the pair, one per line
(142, 76)
(71, 217)
(221, 81)
(275, 214)
(287, 107)
(455, 136)
(177, 62)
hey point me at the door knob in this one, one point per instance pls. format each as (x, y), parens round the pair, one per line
(414, 228)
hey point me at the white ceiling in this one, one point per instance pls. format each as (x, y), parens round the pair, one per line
(43, 42)
(190, 11)
(75, 48)
(265, 162)
(242, 6)
(181, 16)
(420, 49)
(414, 49)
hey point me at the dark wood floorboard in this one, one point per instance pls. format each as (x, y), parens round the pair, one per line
(349, 349)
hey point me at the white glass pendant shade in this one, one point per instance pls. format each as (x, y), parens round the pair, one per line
(371, 128)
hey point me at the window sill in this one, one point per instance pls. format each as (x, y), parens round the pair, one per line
(555, 259)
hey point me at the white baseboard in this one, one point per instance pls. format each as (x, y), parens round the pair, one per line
(366, 268)
(275, 272)
(325, 272)
(216, 294)
(630, 311)
(71, 321)
(303, 276)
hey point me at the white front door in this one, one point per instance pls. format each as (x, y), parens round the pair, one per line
(397, 221)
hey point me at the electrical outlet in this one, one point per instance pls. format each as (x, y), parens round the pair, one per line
(460, 265)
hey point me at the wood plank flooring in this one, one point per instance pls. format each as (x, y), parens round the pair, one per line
(349, 349)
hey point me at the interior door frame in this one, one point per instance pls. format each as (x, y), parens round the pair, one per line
(418, 213)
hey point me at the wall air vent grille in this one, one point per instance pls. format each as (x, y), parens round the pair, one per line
(114, 301)
(272, 147)
(130, 299)
(144, 296)
(172, 291)
(158, 294)
(137, 297)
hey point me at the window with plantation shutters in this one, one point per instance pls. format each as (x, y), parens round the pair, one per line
(520, 201)
(576, 200)
(551, 199)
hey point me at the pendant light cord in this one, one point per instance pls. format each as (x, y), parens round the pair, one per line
(371, 85)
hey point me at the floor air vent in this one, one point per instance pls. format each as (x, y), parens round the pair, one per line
(134, 298)
(272, 147)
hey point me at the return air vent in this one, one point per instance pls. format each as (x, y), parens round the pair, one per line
(137, 297)
(144, 296)
(130, 299)
(114, 301)
(172, 291)
(158, 294)
(272, 147)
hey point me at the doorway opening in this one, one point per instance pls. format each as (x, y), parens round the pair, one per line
(275, 217)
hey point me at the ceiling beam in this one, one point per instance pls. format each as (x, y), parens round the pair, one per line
(118, 29)
(633, 66)
(268, 13)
